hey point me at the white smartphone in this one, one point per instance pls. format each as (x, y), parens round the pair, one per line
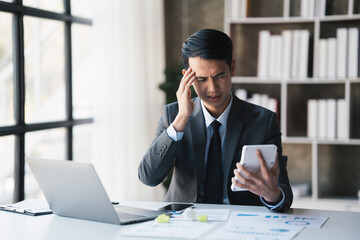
(250, 161)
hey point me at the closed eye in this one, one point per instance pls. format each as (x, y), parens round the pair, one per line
(200, 79)
(219, 75)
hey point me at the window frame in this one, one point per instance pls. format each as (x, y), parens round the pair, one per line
(21, 128)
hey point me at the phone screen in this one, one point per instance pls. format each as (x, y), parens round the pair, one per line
(176, 207)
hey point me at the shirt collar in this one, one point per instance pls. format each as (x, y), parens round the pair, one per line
(222, 118)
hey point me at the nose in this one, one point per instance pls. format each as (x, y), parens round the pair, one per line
(212, 86)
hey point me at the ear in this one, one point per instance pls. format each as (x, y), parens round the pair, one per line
(233, 67)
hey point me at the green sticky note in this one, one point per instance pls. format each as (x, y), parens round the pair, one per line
(163, 218)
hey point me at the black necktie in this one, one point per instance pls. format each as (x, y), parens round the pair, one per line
(214, 181)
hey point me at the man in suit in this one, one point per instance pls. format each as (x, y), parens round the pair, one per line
(202, 138)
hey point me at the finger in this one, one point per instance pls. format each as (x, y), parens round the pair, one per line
(189, 83)
(185, 79)
(263, 168)
(275, 168)
(239, 184)
(244, 171)
(243, 177)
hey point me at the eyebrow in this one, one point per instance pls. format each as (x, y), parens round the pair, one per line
(216, 75)
(219, 74)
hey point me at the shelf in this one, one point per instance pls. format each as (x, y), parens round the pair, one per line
(323, 81)
(277, 80)
(270, 20)
(306, 140)
(255, 80)
(339, 18)
(342, 204)
(282, 20)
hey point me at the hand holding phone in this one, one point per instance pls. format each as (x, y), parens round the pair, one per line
(250, 161)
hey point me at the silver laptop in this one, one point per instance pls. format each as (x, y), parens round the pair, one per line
(75, 190)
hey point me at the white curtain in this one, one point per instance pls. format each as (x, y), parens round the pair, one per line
(129, 62)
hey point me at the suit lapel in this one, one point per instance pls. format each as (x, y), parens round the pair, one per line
(198, 133)
(234, 129)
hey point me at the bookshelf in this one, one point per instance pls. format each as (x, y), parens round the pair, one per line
(328, 167)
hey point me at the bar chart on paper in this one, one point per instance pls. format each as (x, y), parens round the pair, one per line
(255, 230)
(286, 219)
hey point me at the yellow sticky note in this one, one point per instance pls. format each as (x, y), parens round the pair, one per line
(163, 218)
(202, 218)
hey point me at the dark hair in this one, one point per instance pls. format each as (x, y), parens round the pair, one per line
(207, 44)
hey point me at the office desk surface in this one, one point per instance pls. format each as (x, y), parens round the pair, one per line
(340, 225)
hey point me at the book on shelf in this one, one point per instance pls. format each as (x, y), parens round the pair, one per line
(323, 58)
(303, 53)
(295, 53)
(307, 8)
(322, 122)
(278, 55)
(342, 120)
(331, 58)
(320, 8)
(239, 8)
(353, 53)
(263, 53)
(331, 118)
(286, 59)
(241, 93)
(273, 105)
(304, 5)
(312, 116)
(342, 49)
(311, 8)
(272, 56)
(275, 56)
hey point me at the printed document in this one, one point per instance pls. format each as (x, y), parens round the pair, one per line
(173, 229)
(287, 219)
(255, 230)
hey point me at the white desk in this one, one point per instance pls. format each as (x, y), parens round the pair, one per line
(340, 225)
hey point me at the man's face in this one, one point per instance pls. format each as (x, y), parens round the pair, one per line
(213, 83)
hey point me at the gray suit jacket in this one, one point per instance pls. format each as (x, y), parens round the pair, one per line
(247, 124)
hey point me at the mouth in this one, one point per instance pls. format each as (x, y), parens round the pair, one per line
(214, 98)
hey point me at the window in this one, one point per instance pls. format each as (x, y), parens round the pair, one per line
(45, 92)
